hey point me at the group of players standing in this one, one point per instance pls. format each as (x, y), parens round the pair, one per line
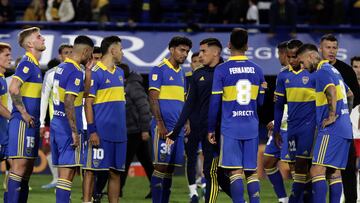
(222, 102)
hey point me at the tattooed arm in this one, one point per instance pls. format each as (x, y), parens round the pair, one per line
(16, 97)
(70, 114)
(330, 93)
(155, 108)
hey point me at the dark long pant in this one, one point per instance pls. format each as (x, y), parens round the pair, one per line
(192, 142)
(349, 177)
(136, 146)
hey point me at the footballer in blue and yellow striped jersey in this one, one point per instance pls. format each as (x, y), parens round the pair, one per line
(333, 101)
(25, 91)
(5, 63)
(167, 94)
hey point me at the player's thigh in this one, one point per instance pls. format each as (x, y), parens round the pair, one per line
(331, 150)
(68, 156)
(23, 140)
(231, 153)
(250, 151)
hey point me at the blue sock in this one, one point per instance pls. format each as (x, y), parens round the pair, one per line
(319, 186)
(63, 191)
(237, 188)
(24, 190)
(276, 180)
(298, 188)
(14, 187)
(335, 189)
(5, 197)
(253, 187)
(157, 186)
(308, 191)
(167, 182)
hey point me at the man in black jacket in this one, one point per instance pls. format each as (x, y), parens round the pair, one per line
(138, 119)
(198, 101)
(329, 47)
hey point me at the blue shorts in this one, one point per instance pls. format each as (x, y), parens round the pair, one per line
(300, 142)
(273, 150)
(3, 152)
(165, 155)
(109, 155)
(63, 154)
(331, 150)
(23, 140)
(238, 154)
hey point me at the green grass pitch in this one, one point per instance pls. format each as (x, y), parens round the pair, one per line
(135, 190)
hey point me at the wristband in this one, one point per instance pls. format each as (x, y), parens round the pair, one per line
(91, 128)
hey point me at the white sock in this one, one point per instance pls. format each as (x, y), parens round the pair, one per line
(53, 170)
(192, 189)
(284, 200)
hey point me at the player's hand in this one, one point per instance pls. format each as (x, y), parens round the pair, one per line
(94, 139)
(187, 128)
(76, 140)
(42, 132)
(145, 136)
(169, 140)
(329, 120)
(278, 139)
(89, 64)
(270, 125)
(162, 130)
(29, 120)
(211, 138)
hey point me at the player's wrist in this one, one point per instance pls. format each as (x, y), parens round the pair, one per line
(91, 128)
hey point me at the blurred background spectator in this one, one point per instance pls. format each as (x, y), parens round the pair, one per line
(282, 12)
(144, 11)
(252, 15)
(60, 10)
(7, 12)
(35, 11)
(235, 11)
(82, 10)
(100, 10)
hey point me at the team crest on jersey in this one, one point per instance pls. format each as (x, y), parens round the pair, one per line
(171, 78)
(202, 78)
(96, 163)
(287, 81)
(121, 78)
(77, 82)
(305, 80)
(154, 77)
(26, 69)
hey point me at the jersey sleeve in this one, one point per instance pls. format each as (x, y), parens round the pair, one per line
(74, 83)
(262, 87)
(155, 79)
(280, 86)
(215, 99)
(94, 84)
(217, 87)
(324, 80)
(23, 71)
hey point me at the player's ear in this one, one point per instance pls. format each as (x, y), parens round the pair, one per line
(172, 49)
(229, 45)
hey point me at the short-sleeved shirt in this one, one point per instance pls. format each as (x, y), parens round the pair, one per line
(107, 89)
(326, 75)
(68, 79)
(299, 90)
(239, 81)
(3, 100)
(29, 74)
(170, 82)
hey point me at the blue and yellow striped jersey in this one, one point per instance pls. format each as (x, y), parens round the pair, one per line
(3, 101)
(326, 75)
(170, 82)
(29, 73)
(107, 88)
(68, 79)
(299, 90)
(239, 81)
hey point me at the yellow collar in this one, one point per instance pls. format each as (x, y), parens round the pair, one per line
(167, 62)
(32, 57)
(238, 58)
(68, 60)
(321, 63)
(292, 69)
(102, 66)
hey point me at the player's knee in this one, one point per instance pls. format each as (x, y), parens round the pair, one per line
(269, 162)
(301, 166)
(236, 171)
(316, 170)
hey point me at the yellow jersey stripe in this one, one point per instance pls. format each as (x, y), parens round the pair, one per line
(109, 95)
(231, 93)
(295, 94)
(172, 92)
